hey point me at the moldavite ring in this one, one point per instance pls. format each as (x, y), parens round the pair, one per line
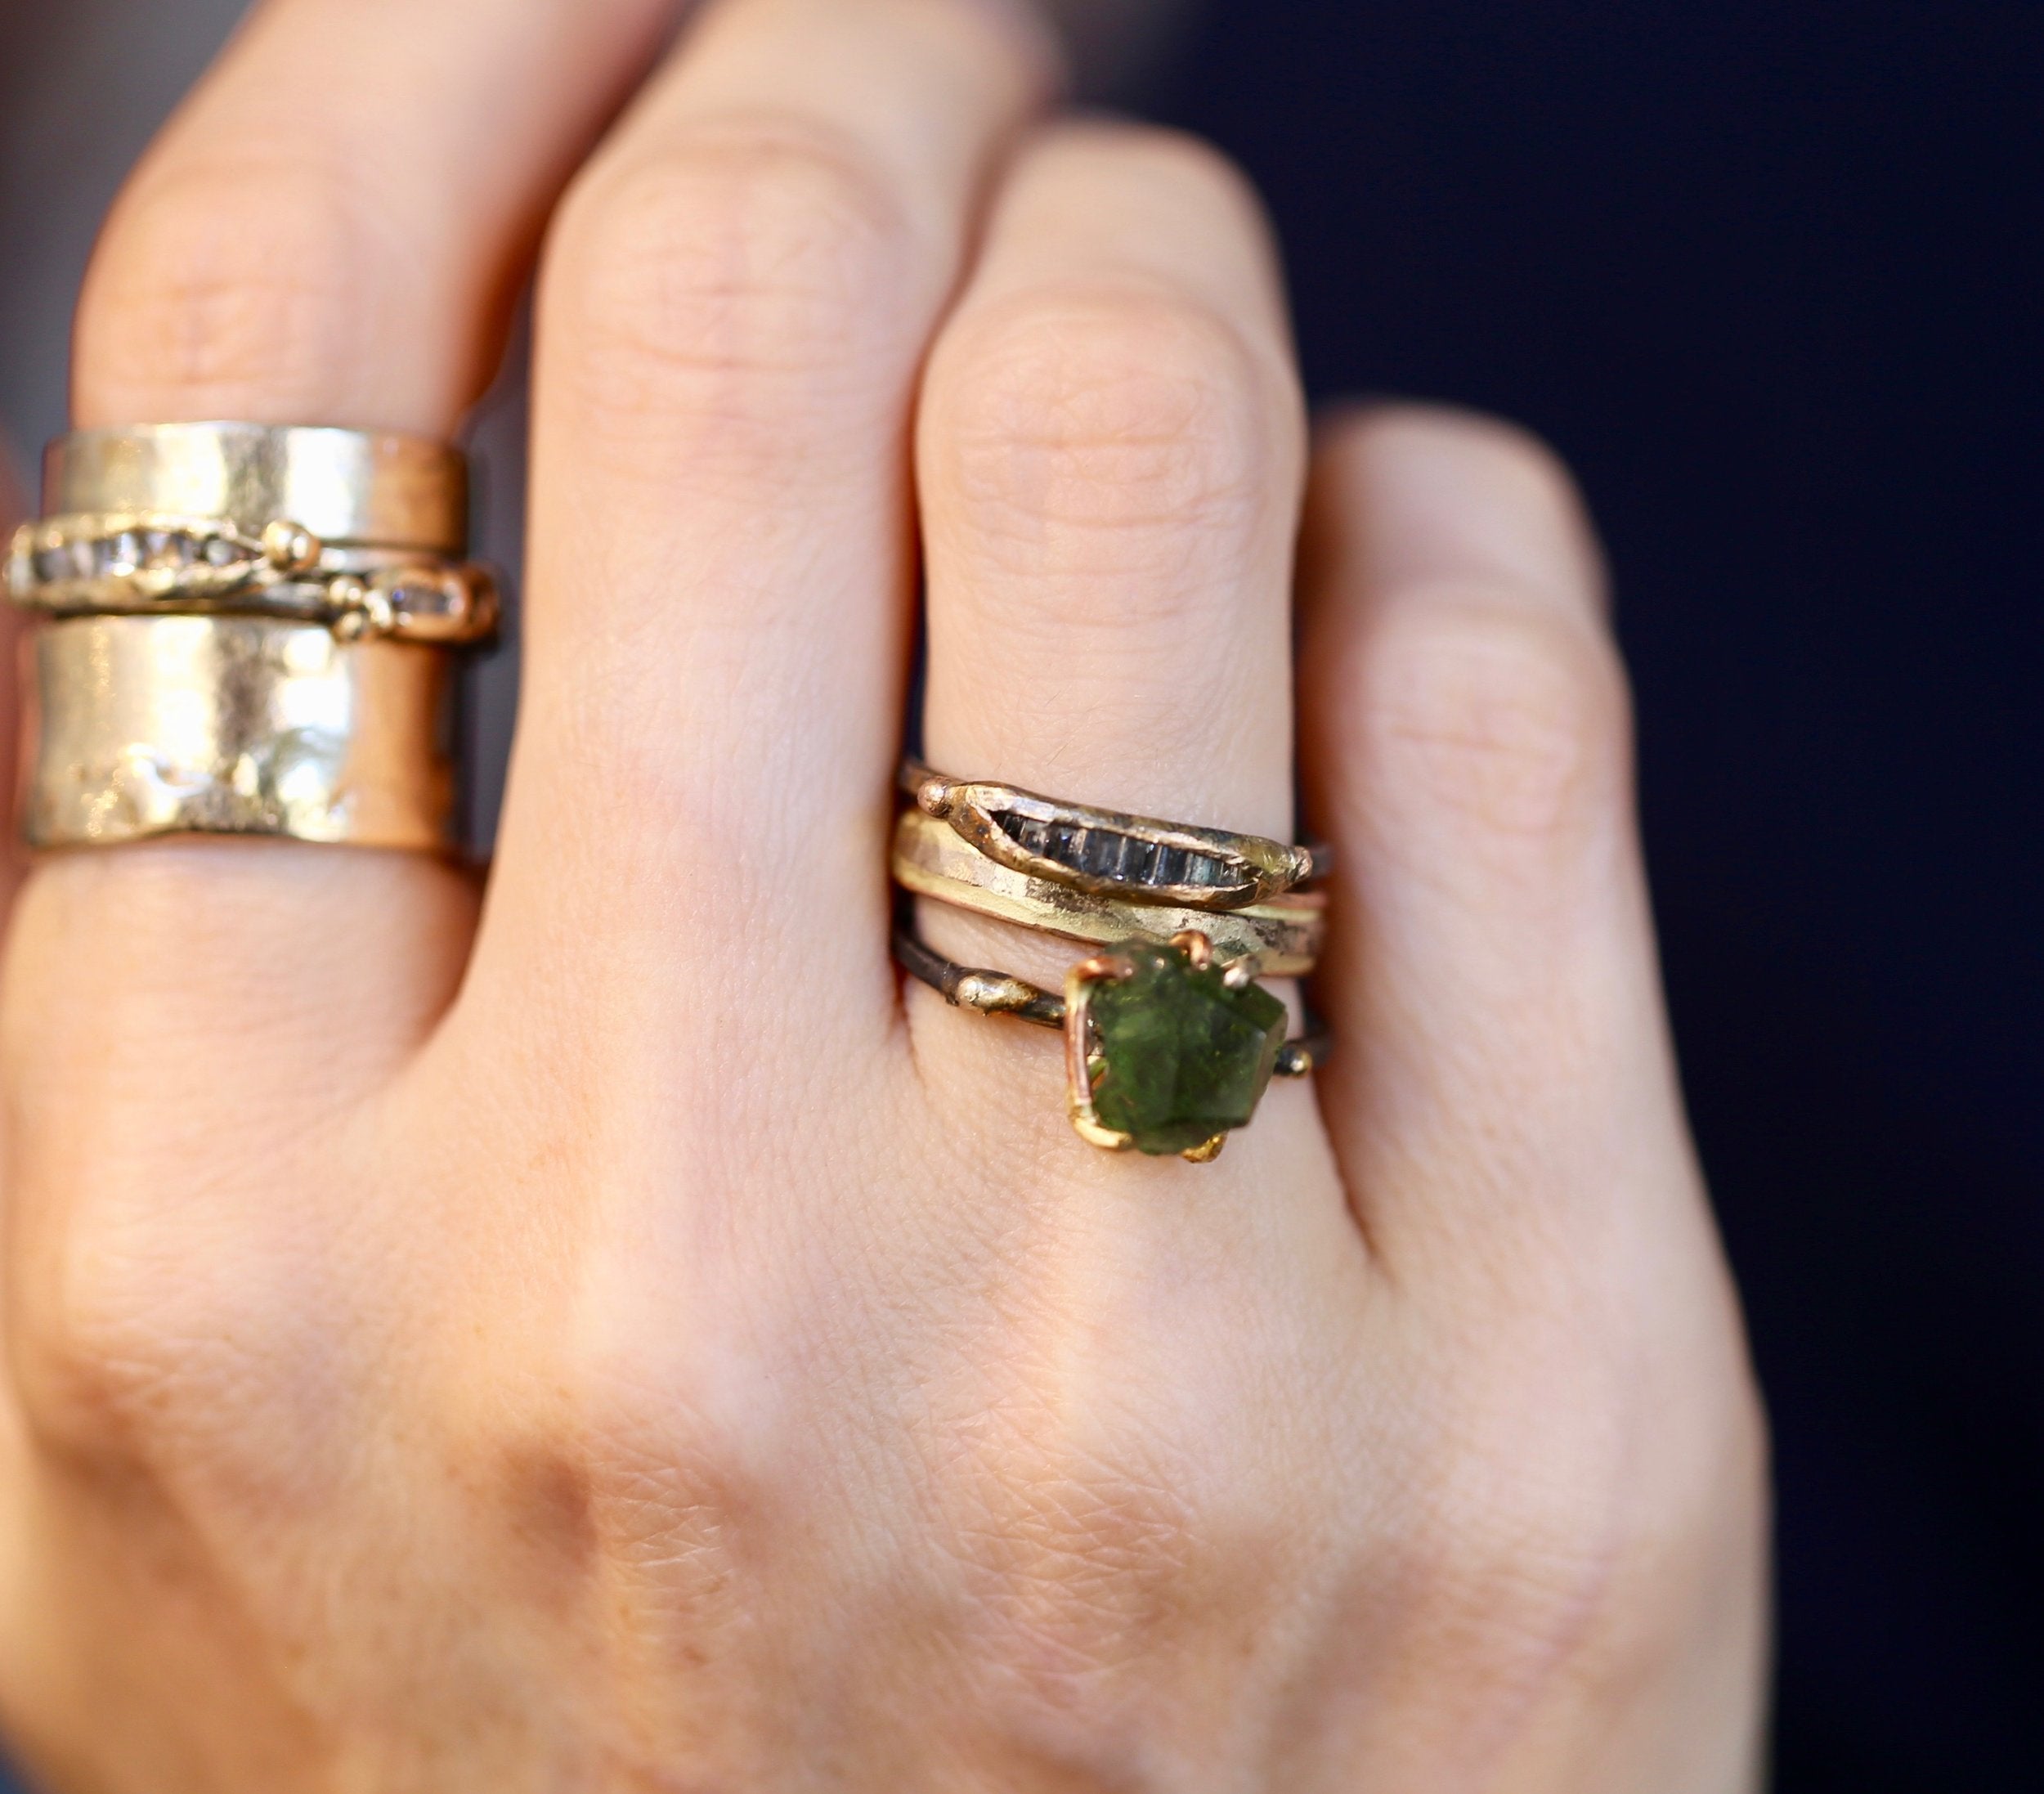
(1109, 853)
(1167, 1049)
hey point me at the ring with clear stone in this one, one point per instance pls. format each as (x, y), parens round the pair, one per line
(1283, 934)
(1104, 852)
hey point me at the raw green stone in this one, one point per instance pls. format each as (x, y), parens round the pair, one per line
(1181, 1057)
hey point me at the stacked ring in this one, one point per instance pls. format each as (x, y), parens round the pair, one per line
(240, 621)
(1170, 1041)
(1283, 935)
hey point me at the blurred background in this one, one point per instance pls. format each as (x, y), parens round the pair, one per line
(1766, 273)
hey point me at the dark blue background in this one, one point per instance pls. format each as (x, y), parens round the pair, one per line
(1766, 274)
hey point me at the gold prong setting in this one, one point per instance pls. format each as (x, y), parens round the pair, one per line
(1082, 1048)
(1073, 1014)
(1170, 1038)
(1088, 1060)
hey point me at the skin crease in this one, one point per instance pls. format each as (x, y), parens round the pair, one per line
(595, 1329)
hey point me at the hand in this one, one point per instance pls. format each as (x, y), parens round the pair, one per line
(604, 1333)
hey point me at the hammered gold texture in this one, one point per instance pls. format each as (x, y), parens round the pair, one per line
(345, 487)
(158, 725)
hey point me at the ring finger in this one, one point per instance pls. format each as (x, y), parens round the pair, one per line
(1110, 452)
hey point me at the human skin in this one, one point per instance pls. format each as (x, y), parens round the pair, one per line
(592, 1327)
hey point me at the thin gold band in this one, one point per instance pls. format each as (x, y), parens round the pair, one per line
(153, 563)
(1111, 853)
(931, 859)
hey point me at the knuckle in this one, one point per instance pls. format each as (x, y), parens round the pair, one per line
(1518, 1577)
(1520, 1609)
(1193, 166)
(1090, 1533)
(1080, 1570)
(1503, 455)
(1114, 418)
(745, 274)
(226, 280)
(657, 1470)
(99, 1356)
(1529, 466)
(1539, 532)
(152, 1329)
(1550, 1549)
(1513, 722)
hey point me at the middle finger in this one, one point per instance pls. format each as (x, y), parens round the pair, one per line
(737, 297)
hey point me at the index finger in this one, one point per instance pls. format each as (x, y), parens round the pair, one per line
(328, 233)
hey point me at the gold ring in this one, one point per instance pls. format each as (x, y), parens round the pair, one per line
(1109, 853)
(1167, 1048)
(153, 563)
(242, 635)
(348, 488)
(361, 533)
(238, 725)
(931, 858)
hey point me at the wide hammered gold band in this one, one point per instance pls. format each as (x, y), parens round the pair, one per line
(1283, 935)
(348, 488)
(245, 634)
(236, 725)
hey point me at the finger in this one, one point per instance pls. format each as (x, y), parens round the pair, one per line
(13, 506)
(327, 233)
(1503, 1071)
(736, 300)
(332, 228)
(1110, 451)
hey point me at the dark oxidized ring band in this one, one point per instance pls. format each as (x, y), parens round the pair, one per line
(1167, 1049)
(153, 564)
(1110, 853)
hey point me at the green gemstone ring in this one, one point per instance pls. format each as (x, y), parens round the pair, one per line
(1167, 1049)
